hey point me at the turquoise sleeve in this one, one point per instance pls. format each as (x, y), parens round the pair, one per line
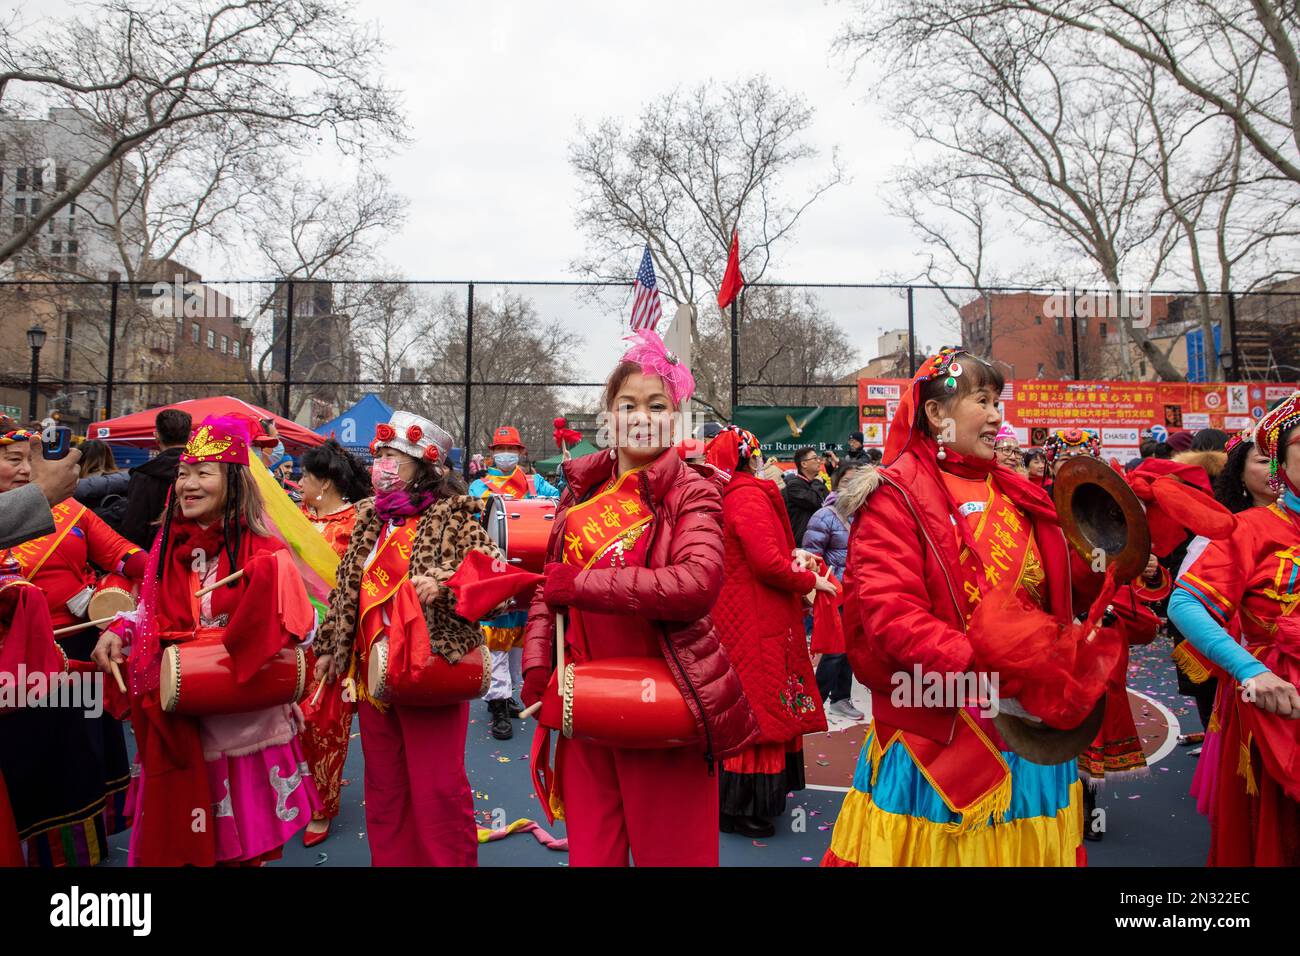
(1210, 639)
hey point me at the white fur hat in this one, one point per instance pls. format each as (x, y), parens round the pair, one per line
(414, 436)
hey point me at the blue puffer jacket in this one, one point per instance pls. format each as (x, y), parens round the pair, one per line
(828, 536)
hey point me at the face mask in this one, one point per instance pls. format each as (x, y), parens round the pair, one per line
(505, 461)
(383, 474)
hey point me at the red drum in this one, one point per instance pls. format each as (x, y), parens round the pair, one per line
(198, 679)
(521, 528)
(436, 684)
(620, 702)
(112, 595)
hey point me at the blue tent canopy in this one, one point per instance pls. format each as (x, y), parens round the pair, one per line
(355, 427)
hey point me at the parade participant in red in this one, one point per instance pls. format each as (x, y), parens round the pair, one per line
(636, 562)
(78, 799)
(411, 537)
(759, 619)
(947, 530)
(242, 775)
(333, 481)
(26, 648)
(1248, 584)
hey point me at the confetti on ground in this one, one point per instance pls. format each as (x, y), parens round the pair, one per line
(806, 859)
(503, 759)
(756, 843)
(321, 859)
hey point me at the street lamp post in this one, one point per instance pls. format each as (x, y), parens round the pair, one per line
(36, 339)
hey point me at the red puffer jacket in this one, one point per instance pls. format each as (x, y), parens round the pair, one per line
(759, 614)
(902, 583)
(677, 590)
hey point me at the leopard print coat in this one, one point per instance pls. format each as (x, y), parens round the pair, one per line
(446, 533)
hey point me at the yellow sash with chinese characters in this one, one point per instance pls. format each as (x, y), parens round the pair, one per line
(379, 583)
(1004, 542)
(514, 484)
(32, 555)
(612, 520)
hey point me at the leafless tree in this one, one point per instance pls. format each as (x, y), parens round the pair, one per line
(699, 164)
(513, 345)
(285, 71)
(1009, 100)
(1237, 58)
(312, 232)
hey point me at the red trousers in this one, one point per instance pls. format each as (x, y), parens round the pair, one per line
(419, 808)
(659, 805)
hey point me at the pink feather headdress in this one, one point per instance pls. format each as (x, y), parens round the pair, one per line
(648, 351)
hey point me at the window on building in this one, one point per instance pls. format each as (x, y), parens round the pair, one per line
(37, 179)
(212, 339)
(1142, 367)
(20, 178)
(20, 214)
(1060, 361)
(1060, 325)
(1083, 326)
(195, 332)
(61, 178)
(234, 348)
(225, 344)
(1038, 320)
(1101, 327)
(1042, 370)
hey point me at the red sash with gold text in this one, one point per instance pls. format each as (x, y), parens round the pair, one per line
(32, 555)
(606, 526)
(379, 583)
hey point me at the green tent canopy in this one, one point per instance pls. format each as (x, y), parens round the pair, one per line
(548, 465)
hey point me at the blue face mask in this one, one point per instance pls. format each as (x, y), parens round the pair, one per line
(278, 451)
(506, 461)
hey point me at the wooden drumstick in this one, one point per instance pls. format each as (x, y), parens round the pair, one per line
(559, 653)
(319, 690)
(117, 675)
(216, 584)
(84, 624)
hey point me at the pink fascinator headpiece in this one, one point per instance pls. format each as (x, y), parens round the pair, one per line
(648, 351)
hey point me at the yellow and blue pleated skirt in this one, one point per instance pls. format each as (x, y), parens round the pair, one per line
(895, 817)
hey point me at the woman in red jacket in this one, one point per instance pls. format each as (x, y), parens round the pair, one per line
(641, 592)
(759, 617)
(946, 530)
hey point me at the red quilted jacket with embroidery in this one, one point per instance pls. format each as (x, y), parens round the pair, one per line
(677, 590)
(759, 614)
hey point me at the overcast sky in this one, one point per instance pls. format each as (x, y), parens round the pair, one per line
(495, 91)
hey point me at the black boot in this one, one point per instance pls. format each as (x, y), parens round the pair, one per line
(514, 707)
(501, 726)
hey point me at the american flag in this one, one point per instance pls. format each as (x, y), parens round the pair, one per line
(645, 302)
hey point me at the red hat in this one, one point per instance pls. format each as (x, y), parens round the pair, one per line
(505, 436)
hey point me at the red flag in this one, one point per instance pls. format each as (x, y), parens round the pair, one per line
(482, 582)
(732, 280)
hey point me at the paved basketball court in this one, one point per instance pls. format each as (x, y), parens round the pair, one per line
(1150, 820)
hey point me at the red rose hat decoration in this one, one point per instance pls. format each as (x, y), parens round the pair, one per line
(412, 435)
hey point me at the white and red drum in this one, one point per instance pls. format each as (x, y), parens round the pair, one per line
(620, 702)
(198, 679)
(112, 595)
(436, 684)
(521, 528)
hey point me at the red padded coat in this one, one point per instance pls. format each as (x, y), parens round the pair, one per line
(677, 590)
(759, 614)
(904, 576)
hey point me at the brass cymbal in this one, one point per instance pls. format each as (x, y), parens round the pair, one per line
(1098, 510)
(1041, 744)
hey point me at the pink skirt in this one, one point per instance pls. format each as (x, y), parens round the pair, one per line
(259, 800)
